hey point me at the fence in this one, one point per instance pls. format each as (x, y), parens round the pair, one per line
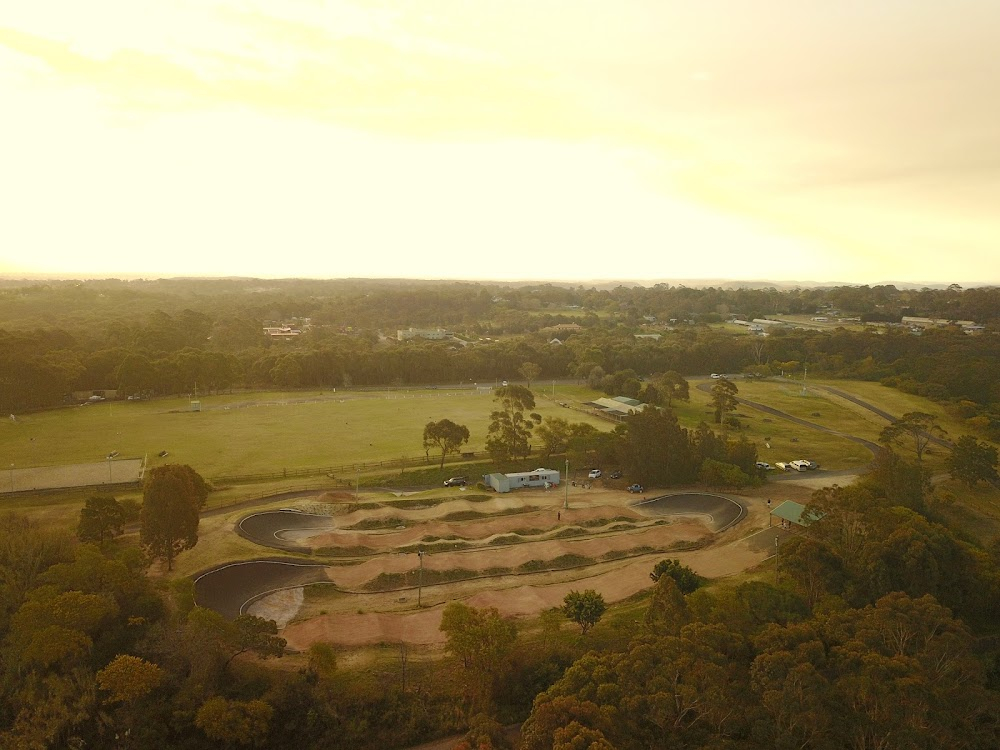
(345, 471)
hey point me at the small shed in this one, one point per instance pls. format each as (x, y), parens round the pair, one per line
(793, 512)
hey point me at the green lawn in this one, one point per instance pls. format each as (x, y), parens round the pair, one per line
(231, 436)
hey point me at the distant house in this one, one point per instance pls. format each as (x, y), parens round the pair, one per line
(934, 322)
(433, 334)
(281, 332)
(563, 328)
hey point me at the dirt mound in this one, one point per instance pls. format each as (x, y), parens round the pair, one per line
(336, 496)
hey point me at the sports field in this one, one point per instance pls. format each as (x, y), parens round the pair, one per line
(259, 432)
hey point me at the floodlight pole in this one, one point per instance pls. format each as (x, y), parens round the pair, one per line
(109, 468)
(566, 501)
(12, 477)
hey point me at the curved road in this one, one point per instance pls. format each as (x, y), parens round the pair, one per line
(871, 446)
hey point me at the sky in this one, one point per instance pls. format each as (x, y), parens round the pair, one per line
(853, 141)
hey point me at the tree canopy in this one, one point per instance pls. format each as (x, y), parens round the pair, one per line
(446, 436)
(172, 499)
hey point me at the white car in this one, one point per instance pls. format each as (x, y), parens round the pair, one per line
(594, 474)
(763, 465)
(716, 376)
(800, 465)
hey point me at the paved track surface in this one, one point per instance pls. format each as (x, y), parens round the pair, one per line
(229, 588)
(276, 528)
(723, 511)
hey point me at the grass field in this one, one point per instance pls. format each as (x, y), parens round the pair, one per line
(260, 432)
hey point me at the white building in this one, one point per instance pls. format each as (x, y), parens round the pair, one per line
(536, 478)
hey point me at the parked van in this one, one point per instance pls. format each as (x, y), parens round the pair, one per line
(800, 465)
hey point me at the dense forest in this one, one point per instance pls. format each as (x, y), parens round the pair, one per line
(176, 336)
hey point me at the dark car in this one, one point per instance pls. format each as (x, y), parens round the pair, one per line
(456, 482)
(635, 488)
(615, 475)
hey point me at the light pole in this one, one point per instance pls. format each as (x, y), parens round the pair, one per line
(12, 477)
(566, 500)
(775, 559)
(420, 576)
(109, 468)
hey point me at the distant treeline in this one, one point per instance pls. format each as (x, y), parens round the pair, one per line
(171, 337)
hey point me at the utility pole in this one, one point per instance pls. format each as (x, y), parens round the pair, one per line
(566, 501)
(420, 576)
(775, 559)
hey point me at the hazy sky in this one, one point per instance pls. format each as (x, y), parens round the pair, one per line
(853, 141)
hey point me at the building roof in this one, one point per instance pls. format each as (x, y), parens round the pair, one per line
(796, 513)
(627, 400)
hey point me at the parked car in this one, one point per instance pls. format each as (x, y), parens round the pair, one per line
(615, 475)
(812, 465)
(782, 466)
(763, 465)
(634, 488)
(800, 465)
(456, 482)
(716, 376)
(594, 474)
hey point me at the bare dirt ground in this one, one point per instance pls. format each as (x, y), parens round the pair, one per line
(360, 619)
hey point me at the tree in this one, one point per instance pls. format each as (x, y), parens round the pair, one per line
(971, 461)
(172, 498)
(671, 385)
(555, 433)
(101, 518)
(446, 436)
(530, 371)
(653, 448)
(510, 430)
(685, 578)
(483, 640)
(716, 474)
(585, 608)
(667, 612)
(918, 426)
(128, 678)
(234, 722)
(724, 398)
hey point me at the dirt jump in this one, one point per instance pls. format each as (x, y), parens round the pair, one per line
(520, 552)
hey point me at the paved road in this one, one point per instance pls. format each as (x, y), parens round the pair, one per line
(871, 446)
(875, 410)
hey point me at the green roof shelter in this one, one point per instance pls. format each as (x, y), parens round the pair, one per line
(793, 512)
